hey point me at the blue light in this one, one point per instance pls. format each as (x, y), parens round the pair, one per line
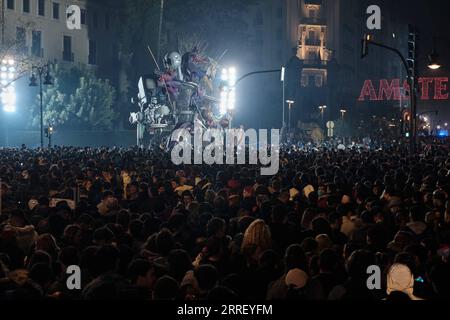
(443, 133)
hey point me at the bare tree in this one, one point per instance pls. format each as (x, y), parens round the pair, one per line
(13, 48)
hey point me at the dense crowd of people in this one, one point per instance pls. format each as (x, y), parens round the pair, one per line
(140, 227)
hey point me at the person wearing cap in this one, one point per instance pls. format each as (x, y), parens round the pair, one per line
(294, 279)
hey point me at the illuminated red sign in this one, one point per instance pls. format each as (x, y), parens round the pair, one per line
(429, 89)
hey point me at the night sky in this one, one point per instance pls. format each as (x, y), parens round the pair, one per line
(432, 20)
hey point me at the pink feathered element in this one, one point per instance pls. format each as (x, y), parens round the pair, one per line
(168, 80)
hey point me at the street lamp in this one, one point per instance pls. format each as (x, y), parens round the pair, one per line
(41, 73)
(49, 133)
(228, 91)
(343, 112)
(322, 111)
(433, 58)
(283, 82)
(7, 76)
(290, 103)
(411, 68)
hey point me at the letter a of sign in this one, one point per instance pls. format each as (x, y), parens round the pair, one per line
(374, 280)
(73, 14)
(74, 280)
(374, 21)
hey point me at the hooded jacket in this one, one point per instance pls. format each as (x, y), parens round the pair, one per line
(400, 278)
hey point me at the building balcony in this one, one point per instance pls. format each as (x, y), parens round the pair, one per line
(314, 2)
(312, 42)
(315, 63)
(68, 56)
(313, 21)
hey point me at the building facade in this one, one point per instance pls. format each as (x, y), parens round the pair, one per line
(332, 71)
(38, 29)
(316, 57)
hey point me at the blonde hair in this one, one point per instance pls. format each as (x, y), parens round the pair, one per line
(256, 236)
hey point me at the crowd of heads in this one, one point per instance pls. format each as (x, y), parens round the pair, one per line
(139, 227)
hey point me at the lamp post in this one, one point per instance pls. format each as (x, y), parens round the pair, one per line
(322, 112)
(228, 93)
(290, 103)
(411, 69)
(49, 133)
(43, 73)
(283, 74)
(343, 112)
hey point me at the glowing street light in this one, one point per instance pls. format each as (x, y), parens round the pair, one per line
(433, 61)
(8, 92)
(343, 112)
(41, 76)
(290, 103)
(322, 111)
(231, 99)
(228, 92)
